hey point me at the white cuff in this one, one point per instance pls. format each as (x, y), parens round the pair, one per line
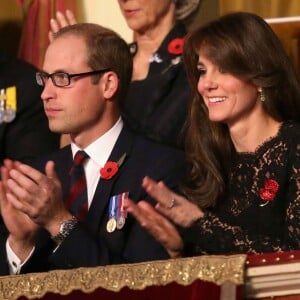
(14, 262)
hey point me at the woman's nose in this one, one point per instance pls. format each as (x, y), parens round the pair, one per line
(206, 83)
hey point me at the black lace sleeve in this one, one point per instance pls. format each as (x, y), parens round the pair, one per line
(210, 235)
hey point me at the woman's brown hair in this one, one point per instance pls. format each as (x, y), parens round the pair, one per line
(244, 45)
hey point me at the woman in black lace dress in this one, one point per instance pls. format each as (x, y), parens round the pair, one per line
(243, 144)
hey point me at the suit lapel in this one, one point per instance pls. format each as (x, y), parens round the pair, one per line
(99, 206)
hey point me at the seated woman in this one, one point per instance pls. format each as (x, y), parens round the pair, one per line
(243, 142)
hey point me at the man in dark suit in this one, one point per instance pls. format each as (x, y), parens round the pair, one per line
(87, 69)
(24, 131)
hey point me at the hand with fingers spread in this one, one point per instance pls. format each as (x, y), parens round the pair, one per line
(175, 207)
(159, 221)
(158, 226)
(62, 20)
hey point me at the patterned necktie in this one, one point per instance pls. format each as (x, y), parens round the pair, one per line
(77, 201)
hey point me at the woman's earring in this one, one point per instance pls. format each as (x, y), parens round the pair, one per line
(261, 94)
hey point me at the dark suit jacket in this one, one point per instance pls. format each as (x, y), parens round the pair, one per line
(28, 135)
(89, 244)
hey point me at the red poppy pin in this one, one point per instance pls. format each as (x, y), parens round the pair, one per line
(176, 46)
(268, 192)
(111, 168)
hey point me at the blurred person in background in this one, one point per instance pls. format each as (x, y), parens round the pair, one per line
(24, 130)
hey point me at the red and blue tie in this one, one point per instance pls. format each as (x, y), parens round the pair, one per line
(77, 201)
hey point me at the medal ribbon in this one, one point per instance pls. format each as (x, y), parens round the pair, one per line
(113, 206)
(123, 211)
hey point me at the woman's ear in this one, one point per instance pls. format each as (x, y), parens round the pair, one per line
(110, 84)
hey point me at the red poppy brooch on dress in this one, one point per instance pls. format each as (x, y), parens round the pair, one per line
(268, 192)
(111, 168)
(176, 46)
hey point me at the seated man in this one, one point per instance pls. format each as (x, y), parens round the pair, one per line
(24, 130)
(56, 224)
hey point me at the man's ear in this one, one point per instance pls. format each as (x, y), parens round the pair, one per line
(110, 84)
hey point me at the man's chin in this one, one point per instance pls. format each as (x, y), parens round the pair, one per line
(57, 129)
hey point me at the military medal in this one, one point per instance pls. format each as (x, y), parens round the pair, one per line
(2, 105)
(9, 115)
(11, 104)
(112, 223)
(117, 212)
(122, 214)
(2, 112)
(8, 104)
(120, 222)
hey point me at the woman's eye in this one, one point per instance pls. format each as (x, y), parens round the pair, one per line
(201, 72)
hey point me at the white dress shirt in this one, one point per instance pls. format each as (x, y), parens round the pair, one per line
(99, 152)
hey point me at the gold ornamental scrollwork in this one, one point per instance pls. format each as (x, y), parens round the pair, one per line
(184, 271)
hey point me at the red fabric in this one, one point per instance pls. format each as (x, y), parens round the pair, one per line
(198, 290)
(272, 258)
(37, 15)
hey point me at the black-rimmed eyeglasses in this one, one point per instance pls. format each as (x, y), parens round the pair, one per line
(62, 79)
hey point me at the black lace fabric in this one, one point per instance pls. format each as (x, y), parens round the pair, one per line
(262, 212)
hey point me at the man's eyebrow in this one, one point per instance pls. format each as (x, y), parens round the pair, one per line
(55, 71)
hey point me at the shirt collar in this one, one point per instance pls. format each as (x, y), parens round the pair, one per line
(100, 150)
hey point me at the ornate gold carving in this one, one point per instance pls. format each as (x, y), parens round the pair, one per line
(216, 269)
